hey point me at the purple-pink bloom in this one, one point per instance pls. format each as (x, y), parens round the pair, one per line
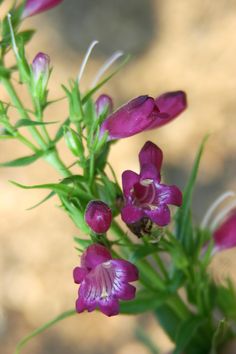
(225, 235)
(98, 216)
(145, 196)
(143, 113)
(34, 7)
(103, 281)
(103, 103)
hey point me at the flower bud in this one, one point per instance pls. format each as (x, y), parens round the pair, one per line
(74, 142)
(103, 104)
(40, 71)
(34, 7)
(98, 216)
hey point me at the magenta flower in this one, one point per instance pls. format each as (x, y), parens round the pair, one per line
(98, 216)
(34, 7)
(143, 113)
(145, 197)
(225, 235)
(103, 281)
(103, 103)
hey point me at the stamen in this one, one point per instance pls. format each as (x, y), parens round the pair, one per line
(85, 60)
(146, 182)
(108, 63)
(220, 217)
(214, 206)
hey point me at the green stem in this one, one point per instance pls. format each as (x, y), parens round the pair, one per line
(16, 101)
(54, 159)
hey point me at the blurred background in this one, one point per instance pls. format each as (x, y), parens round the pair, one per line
(187, 45)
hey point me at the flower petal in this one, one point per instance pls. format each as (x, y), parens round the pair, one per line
(130, 214)
(169, 105)
(95, 255)
(125, 271)
(129, 178)
(79, 274)
(109, 306)
(33, 7)
(150, 154)
(225, 235)
(126, 292)
(160, 216)
(168, 195)
(149, 172)
(130, 119)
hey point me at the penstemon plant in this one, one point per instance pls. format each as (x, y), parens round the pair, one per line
(197, 314)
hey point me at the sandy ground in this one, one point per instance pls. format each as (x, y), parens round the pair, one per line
(183, 44)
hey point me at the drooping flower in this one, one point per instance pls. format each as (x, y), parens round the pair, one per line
(225, 235)
(143, 113)
(98, 216)
(34, 7)
(145, 195)
(103, 281)
(103, 103)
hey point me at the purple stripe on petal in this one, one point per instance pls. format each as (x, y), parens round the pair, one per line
(125, 270)
(151, 154)
(129, 178)
(160, 216)
(130, 214)
(168, 195)
(127, 292)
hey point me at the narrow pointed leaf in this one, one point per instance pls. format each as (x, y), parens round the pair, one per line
(41, 329)
(28, 122)
(22, 161)
(50, 195)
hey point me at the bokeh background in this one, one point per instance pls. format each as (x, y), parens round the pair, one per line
(185, 44)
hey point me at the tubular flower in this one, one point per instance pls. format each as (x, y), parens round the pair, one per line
(34, 7)
(143, 113)
(225, 235)
(103, 281)
(98, 216)
(145, 197)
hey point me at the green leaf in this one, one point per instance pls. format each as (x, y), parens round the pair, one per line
(22, 161)
(5, 72)
(183, 216)
(141, 251)
(103, 82)
(219, 335)
(186, 332)
(60, 131)
(28, 122)
(168, 320)
(58, 188)
(50, 195)
(144, 301)
(41, 329)
(25, 36)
